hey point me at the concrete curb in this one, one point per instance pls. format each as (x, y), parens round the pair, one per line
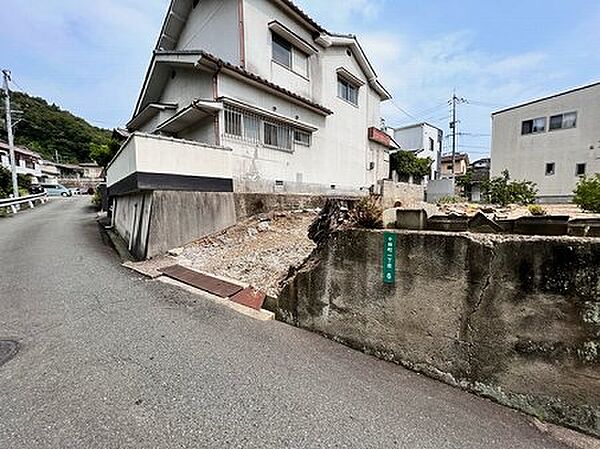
(262, 315)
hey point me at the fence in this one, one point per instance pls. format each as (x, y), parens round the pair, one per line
(15, 203)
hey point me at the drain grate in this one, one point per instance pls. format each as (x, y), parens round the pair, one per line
(8, 349)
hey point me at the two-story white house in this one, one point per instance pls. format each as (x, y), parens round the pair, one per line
(253, 96)
(425, 141)
(552, 141)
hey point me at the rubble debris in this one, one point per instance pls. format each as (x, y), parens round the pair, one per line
(334, 216)
(251, 256)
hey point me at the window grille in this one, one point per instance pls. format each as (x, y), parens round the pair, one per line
(247, 126)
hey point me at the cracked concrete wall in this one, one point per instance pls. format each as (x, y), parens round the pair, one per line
(513, 318)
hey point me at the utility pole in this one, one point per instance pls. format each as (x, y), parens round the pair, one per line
(454, 126)
(9, 130)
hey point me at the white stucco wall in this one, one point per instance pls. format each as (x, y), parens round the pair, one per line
(154, 154)
(417, 138)
(257, 16)
(213, 26)
(525, 156)
(188, 84)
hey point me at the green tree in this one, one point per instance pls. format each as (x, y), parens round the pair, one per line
(48, 130)
(587, 193)
(5, 182)
(501, 190)
(407, 164)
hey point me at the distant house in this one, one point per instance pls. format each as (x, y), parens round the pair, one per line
(281, 103)
(462, 164)
(552, 141)
(91, 170)
(425, 141)
(479, 174)
(50, 173)
(27, 162)
(69, 172)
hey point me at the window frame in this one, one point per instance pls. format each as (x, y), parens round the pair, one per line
(347, 86)
(278, 127)
(562, 121)
(301, 142)
(276, 39)
(302, 70)
(533, 126)
(551, 172)
(577, 166)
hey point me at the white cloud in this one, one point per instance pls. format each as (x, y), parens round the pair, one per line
(422, 75)
(340, 15)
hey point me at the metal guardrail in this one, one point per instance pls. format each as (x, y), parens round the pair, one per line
(15, 203)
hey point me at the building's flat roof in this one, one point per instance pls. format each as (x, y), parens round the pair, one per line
(416, 125)
(550, 97)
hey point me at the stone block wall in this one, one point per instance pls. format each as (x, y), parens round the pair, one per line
(513, 318)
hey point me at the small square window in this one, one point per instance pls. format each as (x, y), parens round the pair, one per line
(550, 169)
(580, 170)
(539, 125)
(302, 138)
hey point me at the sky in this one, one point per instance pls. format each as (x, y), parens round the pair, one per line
(90, 57)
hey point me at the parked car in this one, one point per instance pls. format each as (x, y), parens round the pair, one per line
(57, 190)
(35, 189)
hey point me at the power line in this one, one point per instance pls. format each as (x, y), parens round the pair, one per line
(404, 111)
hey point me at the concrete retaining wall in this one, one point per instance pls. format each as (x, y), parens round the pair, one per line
(152, 223)
(407, 195)
(131, 221)
(516, 319)
(249, 204)
(181, 217)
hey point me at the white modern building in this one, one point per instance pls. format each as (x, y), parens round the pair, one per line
(424, 140)
(552, 141)
(275, 102)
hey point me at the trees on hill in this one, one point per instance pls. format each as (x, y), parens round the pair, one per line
(48, 130)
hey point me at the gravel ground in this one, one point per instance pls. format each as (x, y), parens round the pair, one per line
(258, 251)
(516, 211)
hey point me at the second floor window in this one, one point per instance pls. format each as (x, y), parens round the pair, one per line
(347, 91)
(537, 125)
(282, 51)
(289, 56)
(563, 121)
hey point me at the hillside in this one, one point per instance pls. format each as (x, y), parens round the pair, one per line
(45, 128)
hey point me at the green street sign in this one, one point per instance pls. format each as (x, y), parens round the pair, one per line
(390, 243)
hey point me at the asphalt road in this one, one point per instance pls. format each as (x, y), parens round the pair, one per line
(111, 360)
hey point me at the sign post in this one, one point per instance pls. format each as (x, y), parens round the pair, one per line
(390, 242)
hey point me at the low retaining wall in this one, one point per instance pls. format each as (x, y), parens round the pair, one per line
(516, 319)
(400, 193)
(153, 222)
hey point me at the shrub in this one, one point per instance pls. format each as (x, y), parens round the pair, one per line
(97, 200)
(5, 182)
(451, 199)
(368, 214)
(536, 210)
(501, 190)
(587, 193)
